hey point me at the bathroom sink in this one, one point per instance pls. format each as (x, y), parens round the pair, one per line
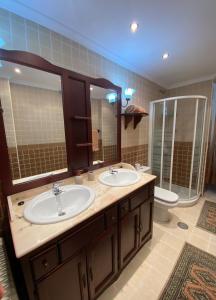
(120, 177)
(44, 208)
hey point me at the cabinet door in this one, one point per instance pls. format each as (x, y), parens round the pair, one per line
(146, 220)
(102, 262)
(129, 234)
(67, 282)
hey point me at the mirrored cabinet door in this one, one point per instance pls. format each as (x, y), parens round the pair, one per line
(104, 124)
(33, 119)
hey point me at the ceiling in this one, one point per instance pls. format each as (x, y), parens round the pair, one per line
(186, 29)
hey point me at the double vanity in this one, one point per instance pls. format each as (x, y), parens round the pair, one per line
(82, 255)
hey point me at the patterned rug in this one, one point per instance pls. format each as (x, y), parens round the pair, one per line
(193, 278)
(5, 276)
(207, 219)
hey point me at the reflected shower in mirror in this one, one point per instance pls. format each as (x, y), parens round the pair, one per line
(33, 118)
(104, 124)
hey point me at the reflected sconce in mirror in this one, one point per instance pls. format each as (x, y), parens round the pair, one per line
(129, 92)
(111, 97)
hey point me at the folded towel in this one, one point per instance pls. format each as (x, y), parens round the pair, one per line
(95, 140)
(135, 109)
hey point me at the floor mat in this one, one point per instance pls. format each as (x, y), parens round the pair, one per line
(193, 278)
(5, 275)
(207, 218)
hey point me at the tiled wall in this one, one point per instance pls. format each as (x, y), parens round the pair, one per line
(135, 154)
(37, 159)
(21, 34)
(38, 115)
(33, 119)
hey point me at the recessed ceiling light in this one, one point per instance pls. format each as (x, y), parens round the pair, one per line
(165, 56)
(134, 27)
(17, 70)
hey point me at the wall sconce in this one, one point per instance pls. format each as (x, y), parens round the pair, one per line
(128, 95)
(2, 42)
(111, 97)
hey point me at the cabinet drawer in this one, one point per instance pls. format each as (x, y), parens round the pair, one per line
(75, 242)
(139, 198)
(45, 262)
(111, 216)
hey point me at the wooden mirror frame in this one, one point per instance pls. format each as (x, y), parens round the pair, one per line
(69, 112)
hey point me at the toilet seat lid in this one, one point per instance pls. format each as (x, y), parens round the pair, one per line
(165, 195)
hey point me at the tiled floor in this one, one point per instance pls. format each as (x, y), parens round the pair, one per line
(146, 275)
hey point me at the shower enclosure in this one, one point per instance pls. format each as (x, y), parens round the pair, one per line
(177, 145)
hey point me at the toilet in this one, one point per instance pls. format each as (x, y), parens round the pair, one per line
(163, 200)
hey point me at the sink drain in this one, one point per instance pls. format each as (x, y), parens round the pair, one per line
(182, 225)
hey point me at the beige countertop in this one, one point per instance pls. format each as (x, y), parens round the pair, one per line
(28, 237)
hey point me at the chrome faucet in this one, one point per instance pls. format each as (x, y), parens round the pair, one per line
(112, 171)
(57, 191)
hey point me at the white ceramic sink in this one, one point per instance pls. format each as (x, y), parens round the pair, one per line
(44, 208)
(122, 177)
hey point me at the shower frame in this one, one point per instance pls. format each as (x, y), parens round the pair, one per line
(203, 148)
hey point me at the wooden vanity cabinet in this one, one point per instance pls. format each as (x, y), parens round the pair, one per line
(84, 261)
(67, 282)
(136, 221)
(129, 242)
(102, 262)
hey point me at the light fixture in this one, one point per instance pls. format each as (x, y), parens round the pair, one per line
(111, 97)
(2, 42)
(133, 26)
(91, 88)
(165, 56)
(128, 95)
(17, 70)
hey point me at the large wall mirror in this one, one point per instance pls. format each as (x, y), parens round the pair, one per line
(104, 115)
(54, 122)
(33, 119)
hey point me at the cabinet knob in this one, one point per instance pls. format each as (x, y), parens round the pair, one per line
(45, 263)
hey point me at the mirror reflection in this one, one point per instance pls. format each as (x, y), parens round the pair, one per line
(104, 124)
(33, 118)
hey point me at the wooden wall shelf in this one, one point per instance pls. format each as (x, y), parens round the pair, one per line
(136, 117)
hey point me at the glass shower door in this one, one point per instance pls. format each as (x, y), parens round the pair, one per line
(157, 140)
